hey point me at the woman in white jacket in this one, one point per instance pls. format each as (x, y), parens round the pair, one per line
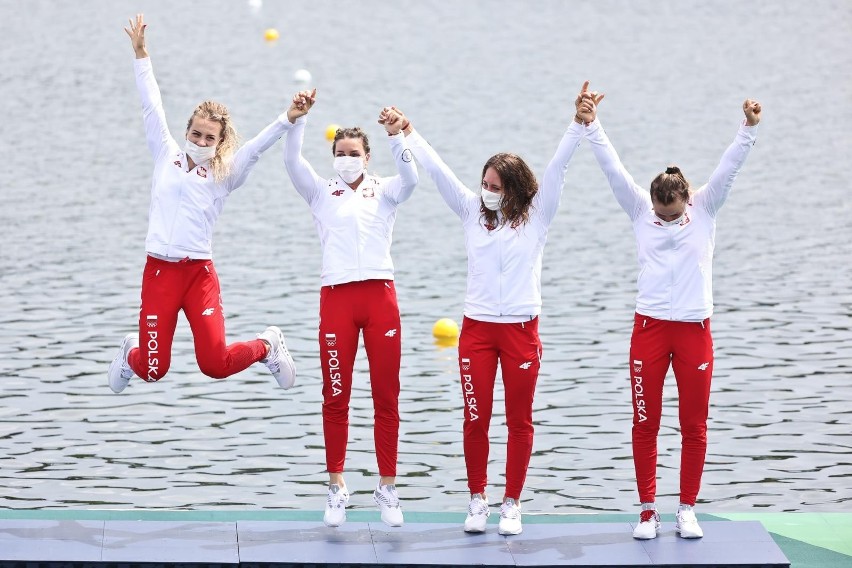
(354, 213)
(188, 192)
(675, 230)
(505, 225)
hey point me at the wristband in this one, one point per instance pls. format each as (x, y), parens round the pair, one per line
(404, 126)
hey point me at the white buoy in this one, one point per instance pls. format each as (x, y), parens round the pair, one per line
(255, 5)
(302, 76)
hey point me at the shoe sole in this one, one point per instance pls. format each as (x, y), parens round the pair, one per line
(476, 530)
(688, 535)
(286, 383)
(656, 533)
(292, 367)
(508, 533)
(116, 363)
(343, 520)
(115, 368)
(332, 525)
(388, 523)
(133, 338)
(286, 361)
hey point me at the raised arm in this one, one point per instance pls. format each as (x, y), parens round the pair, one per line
(713, 195)
(304, 178)
(153, 116)
(554, 176)
(401, 186)
(632, 198)
(454, 192)
(246, 157)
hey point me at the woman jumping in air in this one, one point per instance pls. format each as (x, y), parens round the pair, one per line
(188, 193)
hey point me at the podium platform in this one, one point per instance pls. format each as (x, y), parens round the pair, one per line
(48, 543)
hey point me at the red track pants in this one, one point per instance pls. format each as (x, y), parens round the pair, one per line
(518, 349)
(688, 347)
(191, 286)
(346, 310)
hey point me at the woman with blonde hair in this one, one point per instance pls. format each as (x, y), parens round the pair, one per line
(188, 193)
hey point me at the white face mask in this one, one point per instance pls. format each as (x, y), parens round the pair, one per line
(199, 154)
(349, 168)
(492, 200)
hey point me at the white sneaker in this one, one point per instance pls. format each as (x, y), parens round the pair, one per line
(120, 372)
(335, 506)
(687, 524)
(388, 502)
(477, 514)
(649, 524)
(510, 517)
(278, 361)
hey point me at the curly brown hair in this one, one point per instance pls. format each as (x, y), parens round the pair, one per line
(670, 186)
(221, 162)
(519, 188)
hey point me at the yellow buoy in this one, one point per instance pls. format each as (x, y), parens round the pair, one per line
(445, 328)
(331, 131)
(271, 34)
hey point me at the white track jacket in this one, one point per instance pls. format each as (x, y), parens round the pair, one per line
(675, 261)
(355, 226)
(185, 205)
(503, 265)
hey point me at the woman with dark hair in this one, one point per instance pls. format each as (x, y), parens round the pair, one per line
(188, 193)
(354, 213)
(675, 230)
(505, 226)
